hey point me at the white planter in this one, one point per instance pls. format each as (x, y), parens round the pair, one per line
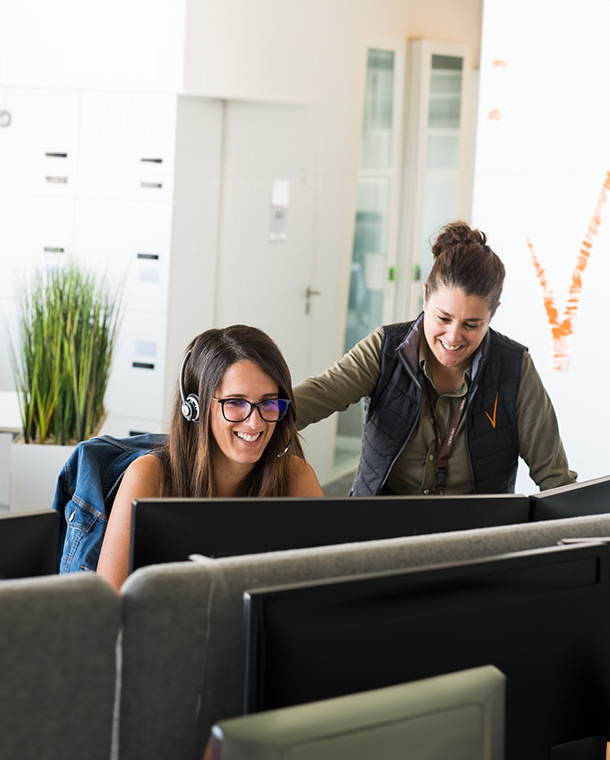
(34, 469)
(5, 466)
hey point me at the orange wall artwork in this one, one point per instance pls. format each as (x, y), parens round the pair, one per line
(495, 114)
(562, 330)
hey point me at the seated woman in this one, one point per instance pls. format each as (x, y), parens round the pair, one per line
(232, 433)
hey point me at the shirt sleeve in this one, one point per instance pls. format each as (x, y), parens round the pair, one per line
(540, 444)
(351, 378)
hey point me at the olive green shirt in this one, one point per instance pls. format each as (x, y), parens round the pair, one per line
(355, 376)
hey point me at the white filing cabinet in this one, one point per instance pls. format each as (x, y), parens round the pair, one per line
(97, 175)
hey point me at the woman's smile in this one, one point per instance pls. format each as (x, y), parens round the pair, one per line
(248, 437)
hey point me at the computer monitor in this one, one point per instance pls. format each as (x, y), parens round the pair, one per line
(541, 617)
(170, 530)
(28, 543)
(591, 497)
(458, 716)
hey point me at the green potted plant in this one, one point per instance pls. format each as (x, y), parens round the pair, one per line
(67, 329)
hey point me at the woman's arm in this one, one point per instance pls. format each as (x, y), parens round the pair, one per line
(141, 479)
(303, 479)
(346, 382)
(540, 444)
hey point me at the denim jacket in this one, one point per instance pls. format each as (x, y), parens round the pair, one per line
(85, 491)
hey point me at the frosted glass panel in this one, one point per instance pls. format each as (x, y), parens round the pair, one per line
(369, 269)
(376, 144)
(442, 153)
(445, 92)
(368, 273)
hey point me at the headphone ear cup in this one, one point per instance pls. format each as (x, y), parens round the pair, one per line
(190, 407)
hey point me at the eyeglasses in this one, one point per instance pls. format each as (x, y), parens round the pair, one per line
(238, 409)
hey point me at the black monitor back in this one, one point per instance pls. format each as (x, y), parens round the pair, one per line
(541, 617)
(28, 544)
(169, 530)
(591, 497)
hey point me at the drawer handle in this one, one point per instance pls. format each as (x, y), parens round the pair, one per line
(142, 365)
(57, 180)
(150, 256)
(53, 249)
(154, 185)
(151, 160)
(50, 154)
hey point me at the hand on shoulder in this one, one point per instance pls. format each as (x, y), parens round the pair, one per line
(303, 479)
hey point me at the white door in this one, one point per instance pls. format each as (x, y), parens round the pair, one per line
(266, 246)
(267, 225)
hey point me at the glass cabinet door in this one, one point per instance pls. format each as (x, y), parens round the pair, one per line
(411, 182)
(438, 171)
(375, 224)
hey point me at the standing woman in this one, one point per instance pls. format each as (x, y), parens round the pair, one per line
(451, 404)
(232, 433)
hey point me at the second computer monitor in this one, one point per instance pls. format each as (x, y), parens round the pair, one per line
(28, 543)
(590, 497)
(541, 617)
(170, 530)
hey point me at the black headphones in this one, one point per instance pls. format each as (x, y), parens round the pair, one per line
(190, 403)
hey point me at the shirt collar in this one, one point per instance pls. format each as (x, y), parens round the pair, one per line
(423, 354)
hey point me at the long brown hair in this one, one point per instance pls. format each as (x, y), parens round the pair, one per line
(463, 259)
(187, 459)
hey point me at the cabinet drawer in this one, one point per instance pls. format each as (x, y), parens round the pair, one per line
(136, 387)
(129, 242)
(39, 142)
(127, 145)
(35, 231)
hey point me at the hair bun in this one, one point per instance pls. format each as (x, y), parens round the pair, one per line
(467, 262)
(457, 234)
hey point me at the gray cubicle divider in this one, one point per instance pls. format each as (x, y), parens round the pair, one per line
(182, 646)
(58, 637)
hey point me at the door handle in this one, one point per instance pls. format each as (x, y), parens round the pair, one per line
(308, 294)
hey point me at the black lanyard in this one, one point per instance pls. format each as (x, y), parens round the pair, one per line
(444, 447)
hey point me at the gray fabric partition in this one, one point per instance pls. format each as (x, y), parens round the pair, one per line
(183, 638)
(164, 649)
(58, 639)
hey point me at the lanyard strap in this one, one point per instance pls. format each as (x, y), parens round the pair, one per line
(444, 447)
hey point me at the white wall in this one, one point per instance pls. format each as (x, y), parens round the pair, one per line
(105, 44)
(543, 154)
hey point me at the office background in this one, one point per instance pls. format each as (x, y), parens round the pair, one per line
(284, 164)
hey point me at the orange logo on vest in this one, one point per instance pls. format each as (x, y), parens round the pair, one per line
(489, 417)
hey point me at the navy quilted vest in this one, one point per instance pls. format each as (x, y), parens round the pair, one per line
(394, 408)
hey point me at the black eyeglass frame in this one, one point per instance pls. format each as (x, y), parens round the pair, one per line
(253, 406)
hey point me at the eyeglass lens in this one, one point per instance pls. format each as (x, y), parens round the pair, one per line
(237, 409)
